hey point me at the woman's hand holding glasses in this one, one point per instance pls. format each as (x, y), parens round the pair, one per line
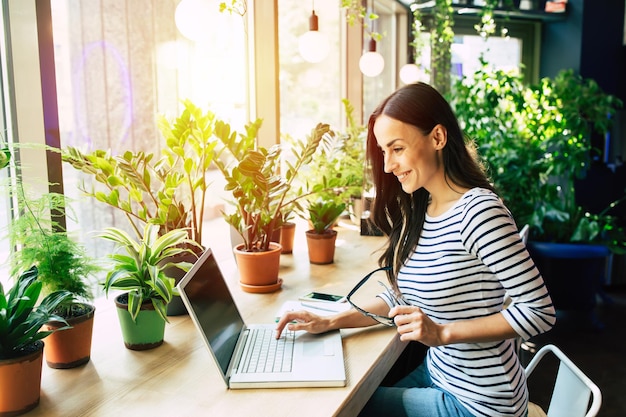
(414, 325)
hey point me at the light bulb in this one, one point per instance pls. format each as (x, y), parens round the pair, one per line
(313, 45)
(409, 73)
(191, 19)
(371, 63)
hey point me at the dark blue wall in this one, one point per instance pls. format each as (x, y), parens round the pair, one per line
(590, 41)
(561, 42)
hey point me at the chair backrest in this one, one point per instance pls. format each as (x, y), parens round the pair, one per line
(572, 388)
(524, 233)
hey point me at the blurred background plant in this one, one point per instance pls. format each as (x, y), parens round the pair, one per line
(536, 142)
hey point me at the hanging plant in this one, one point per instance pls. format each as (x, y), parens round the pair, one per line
(418, 38)
(441, 37)
(487, 25)
(239, 7)
(356, 12)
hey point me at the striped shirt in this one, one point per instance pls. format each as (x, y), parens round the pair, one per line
(465, 262)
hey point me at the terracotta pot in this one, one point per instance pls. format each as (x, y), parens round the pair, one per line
(258, 271)
(70, 348)
(321, 246)
(146, 332)
(287, 235)
(276, 234)
(20, 382)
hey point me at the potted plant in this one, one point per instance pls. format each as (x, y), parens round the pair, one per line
(139, 272)
(287, 233)
(341, 165)
(261, 196)
(535, 142)
(37, 238)
(323, 215)
(169, 191)
(21, 345)
(63, 264)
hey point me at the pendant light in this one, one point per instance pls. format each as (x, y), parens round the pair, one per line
(313, 45)
(191, 17)
(371, 63)
(409, 73)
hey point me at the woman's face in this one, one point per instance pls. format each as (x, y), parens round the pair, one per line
(408, 154)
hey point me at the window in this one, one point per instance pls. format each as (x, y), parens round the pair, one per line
(309, 92)
(392, 23)
(5, 213)
(119, 64)
(517, 51)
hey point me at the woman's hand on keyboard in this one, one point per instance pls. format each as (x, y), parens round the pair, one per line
(302, 320)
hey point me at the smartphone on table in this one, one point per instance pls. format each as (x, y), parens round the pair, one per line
(320, 296)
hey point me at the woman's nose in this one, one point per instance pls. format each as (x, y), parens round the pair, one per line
(389, 164)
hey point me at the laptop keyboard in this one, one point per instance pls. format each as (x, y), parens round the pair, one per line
(268, 354)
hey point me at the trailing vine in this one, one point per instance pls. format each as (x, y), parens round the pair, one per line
(487, 25)
(418, 40)
(356, 12)
(441, 37)
(239, 7)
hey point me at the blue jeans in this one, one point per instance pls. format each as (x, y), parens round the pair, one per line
(414, 396)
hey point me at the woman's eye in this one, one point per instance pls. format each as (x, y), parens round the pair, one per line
(396, 150)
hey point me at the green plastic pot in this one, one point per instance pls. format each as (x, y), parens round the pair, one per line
(146, 332)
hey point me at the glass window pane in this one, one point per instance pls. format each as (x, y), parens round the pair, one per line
(502, 53)
(309, 92)
(5, 213)
(375, 89)
(119, 64)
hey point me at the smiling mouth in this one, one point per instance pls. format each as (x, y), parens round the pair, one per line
(402, 176)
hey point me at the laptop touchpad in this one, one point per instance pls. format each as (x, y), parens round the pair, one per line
(319, 347)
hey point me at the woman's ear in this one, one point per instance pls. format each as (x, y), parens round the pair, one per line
(440, 136)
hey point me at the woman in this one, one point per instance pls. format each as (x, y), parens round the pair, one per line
(454, 252)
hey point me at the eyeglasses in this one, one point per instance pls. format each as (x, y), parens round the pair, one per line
(387, 321)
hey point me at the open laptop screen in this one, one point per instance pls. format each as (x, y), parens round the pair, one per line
(213, 307)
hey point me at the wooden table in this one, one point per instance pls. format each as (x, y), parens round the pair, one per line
(180, 378)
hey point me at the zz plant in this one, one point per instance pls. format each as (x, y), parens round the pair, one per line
(169, 191)
(263, 193)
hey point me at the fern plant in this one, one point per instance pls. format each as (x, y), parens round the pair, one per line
(37, 238)
(62, 263)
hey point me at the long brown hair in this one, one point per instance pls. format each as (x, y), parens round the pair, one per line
(397, 214)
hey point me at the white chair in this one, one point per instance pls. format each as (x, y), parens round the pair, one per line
(524, 233)
(572, 389)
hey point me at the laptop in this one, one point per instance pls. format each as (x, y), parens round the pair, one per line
(297, 359)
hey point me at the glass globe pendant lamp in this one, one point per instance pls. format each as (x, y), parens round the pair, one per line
(371, 63)
(313, 45)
